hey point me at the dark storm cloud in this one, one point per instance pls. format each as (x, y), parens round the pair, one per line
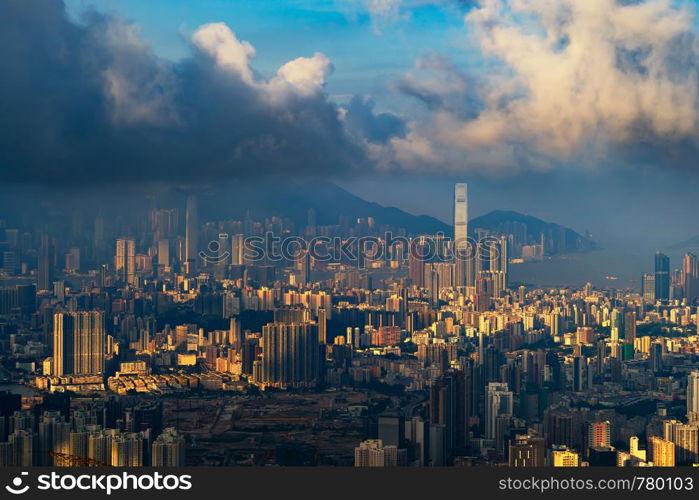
(90, 102)
(361, 120)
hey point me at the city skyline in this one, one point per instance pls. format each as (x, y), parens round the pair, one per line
(350, 233)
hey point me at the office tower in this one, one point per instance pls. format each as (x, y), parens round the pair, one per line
(693, 396)
(690, 277)
(73, 260)
(648, 287)
(448, 398)
(168, 449)
(416, 262)
(617, 324)
(238, 249)
(527, 451)
(563, 457)
(192, 233)
(433, 285)
(125, 260)
(235, 334)
(416, 432)
(499, 401)
(579, 373)
(460, 215)
(78, 343)
(46, 263)
(303, 266)
(599, 435)
(164, 252)
(391, 429)
(630, 327)
(373, 453)
(290, 354)
(662, 452)
(322, 325)
(662, 276)
(656, 357)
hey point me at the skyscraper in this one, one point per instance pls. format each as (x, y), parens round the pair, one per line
(693, 396)
(78, 343)
(460, 215)
(448, 396)
(499, 401)
(192, 233)
(125, 260)
(168, 449)
(662, 276)
(290, 354)
(690, 277)
(46, 263)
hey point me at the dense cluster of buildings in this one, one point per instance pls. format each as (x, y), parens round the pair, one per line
(477, 370)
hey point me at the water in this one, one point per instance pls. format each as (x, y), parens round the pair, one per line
(594, 267)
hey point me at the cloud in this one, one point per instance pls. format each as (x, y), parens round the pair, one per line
(90, 102)
(565, 81)
(364, 123)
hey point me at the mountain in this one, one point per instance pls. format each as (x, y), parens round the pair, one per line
(691, 243)
(293, 200)
(528, 230)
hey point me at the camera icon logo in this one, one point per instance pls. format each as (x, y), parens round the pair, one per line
(16, 487)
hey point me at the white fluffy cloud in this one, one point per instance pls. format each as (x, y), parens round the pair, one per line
(568, 78)
(303, 76)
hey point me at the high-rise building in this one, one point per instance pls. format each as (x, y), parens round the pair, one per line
(690, 277)
(192, 233)
(662, 452)
(127, 450)
(460, 215)
(238, 249)
(290, 354)
(527, 451)
(499, 401)
(46, 263)
(662, 276)
(599, 434)
(648, 287)
(168, 449)
(686, 439)
(693, 396)
(391, 427)
(448, 399)
(78, 343)
(125, 260)
(322, 325)
(373, 453)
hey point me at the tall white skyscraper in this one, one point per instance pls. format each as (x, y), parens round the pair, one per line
(192, 232)
(693, 396)
(460, 214)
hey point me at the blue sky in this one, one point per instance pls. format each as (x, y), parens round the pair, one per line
(366, 54)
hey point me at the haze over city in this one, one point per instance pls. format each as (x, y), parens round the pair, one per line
(351, 233)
